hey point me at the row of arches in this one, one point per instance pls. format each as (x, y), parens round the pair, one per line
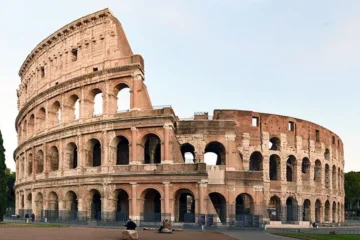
(56, 113)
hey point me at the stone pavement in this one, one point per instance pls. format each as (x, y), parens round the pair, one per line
(255, 235)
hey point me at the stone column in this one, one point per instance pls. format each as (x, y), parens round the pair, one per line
(230, 140)
(61, 157)
(134, 214)
(166, 198)
(81, 153)
(134, 159)
(166, 157)
(105, 159)
(136, 92)
(34, 164)
(202, 195)
(46, 162)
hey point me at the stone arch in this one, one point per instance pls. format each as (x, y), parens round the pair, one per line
(54, 113)
(244, 205)
(52, 211)
(39, 206)
(41, 119)
(31, 125)
(74, 108)
(24, 129)
(275, 168)
(40, 161)
(93, 153)
(151, 207)
(122, 93)
(256, 161)
(70, 205)
(30, 164)
(152, 148)
(334, 212)
(22, 201)
(275, 144)
(54, 158)
(291, 169)
(305, 169)
(29, 200)
(215, 148)
(292, 209)
(122, 205)
(307, 210)
(97, 103)
(317, 171)
(71, 153)
(339, 179)
(119, 150)
(184, 205)
(95, 204)
(334, 177)
(327, 211)
(327, 176)
(318, 209)
(338, 212)
(188, 152)
(219, 204)
(274, 208)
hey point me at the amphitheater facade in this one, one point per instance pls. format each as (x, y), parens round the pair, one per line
(146, 162)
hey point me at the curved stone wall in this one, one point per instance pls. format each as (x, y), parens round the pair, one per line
(145, 162)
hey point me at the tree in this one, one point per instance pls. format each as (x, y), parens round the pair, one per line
(3, 180)
(352, 187)
(10, 178)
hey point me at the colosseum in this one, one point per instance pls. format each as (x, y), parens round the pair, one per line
(80, 156)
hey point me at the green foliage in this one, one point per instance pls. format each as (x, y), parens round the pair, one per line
(10, 179)
(352, 186)
(3, 180)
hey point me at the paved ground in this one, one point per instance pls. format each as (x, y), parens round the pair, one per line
(255, 235)
(79, 233)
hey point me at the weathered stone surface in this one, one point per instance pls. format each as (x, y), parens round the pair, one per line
(129, 235)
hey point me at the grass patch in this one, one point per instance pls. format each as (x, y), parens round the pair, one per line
(312, 236)
(30, 225)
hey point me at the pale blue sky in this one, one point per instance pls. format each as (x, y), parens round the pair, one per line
(297, 58)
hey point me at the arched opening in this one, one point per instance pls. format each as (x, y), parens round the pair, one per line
(71, 155)
(305, 169)
(71, 206)
(122, 150)
(291, 169)
(95, 204)
(93, 149)
(40, 161)
(334, 212)
(275, 168)
(97, 102)
(123, 97)
(244, 206)
(41, 117)
(22, 202)
(327, 211)
(52, 211)
(256, 159)
(291, 210)
(184, 206)
(274, 144)
(74, 105)
(54, 159)
(334, 177)
(29, 201)
(339, 179)
(219, 204)
(55, 113)
(152, 149)
(188, 152)
(39, 206)
(31, 125)
(318, 211)
(30, 164)
(307, 210)
(122, 206)
(338, 212)
(327, 154)
(152, 206)
(327, 176)
(215, 148)
(317, 171)
(274, 208)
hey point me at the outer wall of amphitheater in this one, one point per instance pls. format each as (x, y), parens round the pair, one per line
(145, 162)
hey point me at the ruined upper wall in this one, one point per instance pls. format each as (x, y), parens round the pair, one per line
(91, 43)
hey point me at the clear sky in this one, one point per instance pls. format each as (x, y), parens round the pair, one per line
(297, 58)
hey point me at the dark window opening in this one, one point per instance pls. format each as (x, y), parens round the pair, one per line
(152, 149)
(327, 154)
(317, 135)
(256, 161)
(291, 126)
(255, 121)
(333, 140)
(74, 54)
(274, 168)
(95, 69)
(122, 154)
(274, 144)
(42, 72)
(97, 154)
